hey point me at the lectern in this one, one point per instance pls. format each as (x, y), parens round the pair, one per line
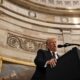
(67, 68)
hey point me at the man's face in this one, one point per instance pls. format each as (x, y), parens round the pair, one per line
(51, 44)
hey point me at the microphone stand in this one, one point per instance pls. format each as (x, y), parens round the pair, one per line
(71, 44)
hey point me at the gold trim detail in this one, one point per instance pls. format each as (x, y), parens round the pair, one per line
(17, 61)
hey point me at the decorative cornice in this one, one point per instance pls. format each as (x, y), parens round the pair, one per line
(34, 16)
(57, 22)
(42, 8)
(58, 3)
(24, 43)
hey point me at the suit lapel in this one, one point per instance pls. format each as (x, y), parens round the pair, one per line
(48, 55)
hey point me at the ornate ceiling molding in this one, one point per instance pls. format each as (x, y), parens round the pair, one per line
(34, 15)
(25, 43)
(39, 20)
(72, 4)
(51, 10)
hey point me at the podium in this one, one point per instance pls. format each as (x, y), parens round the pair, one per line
(67, 68)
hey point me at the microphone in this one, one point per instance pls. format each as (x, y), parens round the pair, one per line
(64, 45)
(67, 44)
(60, 46)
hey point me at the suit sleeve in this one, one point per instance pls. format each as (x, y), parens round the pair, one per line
(40, 58)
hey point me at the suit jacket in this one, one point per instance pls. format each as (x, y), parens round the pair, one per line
(40, 60)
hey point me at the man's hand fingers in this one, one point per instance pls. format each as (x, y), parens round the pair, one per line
(53, 62)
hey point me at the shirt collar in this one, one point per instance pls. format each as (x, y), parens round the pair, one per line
(56, 54)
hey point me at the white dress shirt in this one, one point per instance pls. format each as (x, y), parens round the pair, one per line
(56, 54)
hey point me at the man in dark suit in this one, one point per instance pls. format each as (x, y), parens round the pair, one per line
(44, 58)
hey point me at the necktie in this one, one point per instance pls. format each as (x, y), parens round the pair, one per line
(53, 54)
